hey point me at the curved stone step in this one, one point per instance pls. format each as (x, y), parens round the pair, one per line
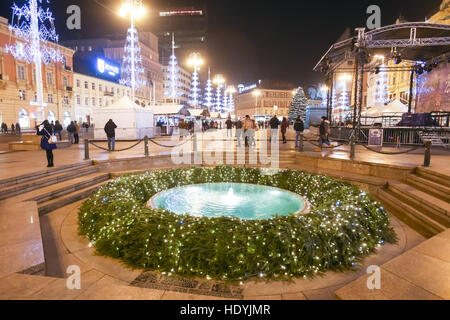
(435, 208)
(42, 173)
(45, 181)
(409, 215)
(434, 176)
(430, 187)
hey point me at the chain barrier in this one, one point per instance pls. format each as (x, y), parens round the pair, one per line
(166, 146)
(389, 152)
(124, 149)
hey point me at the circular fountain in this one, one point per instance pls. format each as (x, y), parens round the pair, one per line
(241, 200)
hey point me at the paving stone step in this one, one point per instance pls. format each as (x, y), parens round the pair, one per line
(51, 205)
(434, 176)
(435, 208)
(430, 187)
(42, 173)
(69, 188)
(409, 215)
(45, 181)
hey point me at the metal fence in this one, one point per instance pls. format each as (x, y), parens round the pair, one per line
(397, 135)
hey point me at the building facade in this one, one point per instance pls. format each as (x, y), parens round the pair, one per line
(18, 85)
(91, 92)
(113, 48)
(183, 86)
(274, 98)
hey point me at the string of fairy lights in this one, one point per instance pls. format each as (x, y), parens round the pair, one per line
(343, 226)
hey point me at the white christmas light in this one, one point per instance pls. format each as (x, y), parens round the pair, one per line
(208, 92)
(195, 61)
(173, 73)
(35, 27)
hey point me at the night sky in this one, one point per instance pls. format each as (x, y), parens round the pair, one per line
(249, 40)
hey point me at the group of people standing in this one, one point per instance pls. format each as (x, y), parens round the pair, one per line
(14, 128)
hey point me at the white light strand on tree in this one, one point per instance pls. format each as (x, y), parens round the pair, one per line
(194, 88)
(382, 88)
(225, 99)
(218, 97)
(173, 73)
(32, 29)
(132, 70)
(208, 92)
(231, 103)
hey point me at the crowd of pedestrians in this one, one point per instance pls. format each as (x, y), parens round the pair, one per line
(15, 128)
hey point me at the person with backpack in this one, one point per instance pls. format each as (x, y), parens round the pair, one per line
(299, 127)
(229, 125)
(110, 130)
(274, 123)
(58, 128)
(47, 141)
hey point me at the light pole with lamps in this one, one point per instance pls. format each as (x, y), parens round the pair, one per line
(256, 93)
(135, 10)
(195, 60)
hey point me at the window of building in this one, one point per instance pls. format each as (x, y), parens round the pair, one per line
(78, 83)
(24, 120)
(93, 101)
(86, 85)
(65, 82)
(100, 102)
(100, 87)
(67, 118)
(50, 98)
(86, 101)
(49, 78)
(51, 116)
(66, 99)
(78, 99)
(21, 72)
(93, 86)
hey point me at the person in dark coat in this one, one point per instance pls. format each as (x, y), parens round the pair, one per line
(324, 131)
(71, 131)
(45, 130)
(229, 125)
(58, 128)
(299, 127)
(238, 131)
(274, 123)
(284, 127)
(110, 130)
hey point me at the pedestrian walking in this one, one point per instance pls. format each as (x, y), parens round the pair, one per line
(229, 125)
(13, 128)
(71, 131)
(253, 133)
(274, 123)
(247, 126)
(18, 129)
(48, 140)
(238, 126)
(58, 129)
(284, 127)
(77, 131)
(110, 130)
(299, 127)
(324, 131)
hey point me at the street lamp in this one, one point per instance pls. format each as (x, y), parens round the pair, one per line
(256, 93)
(195, 60)
(135, 10)
(218, 80)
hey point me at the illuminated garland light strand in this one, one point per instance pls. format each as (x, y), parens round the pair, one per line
(132, 70)
(343, 226)
(195, 90)
(173, 73)
(218, 97)
(208, 100)
(35, 27)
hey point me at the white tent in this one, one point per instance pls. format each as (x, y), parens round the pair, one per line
(133, 121)
(395, 106)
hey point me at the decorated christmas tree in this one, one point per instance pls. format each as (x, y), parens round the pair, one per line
(173, 74)
(298, 105)
(132, 70)
(208, 96)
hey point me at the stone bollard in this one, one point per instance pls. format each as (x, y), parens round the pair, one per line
(86, 149)
(352, 147)
(427, 157)
(146, 145)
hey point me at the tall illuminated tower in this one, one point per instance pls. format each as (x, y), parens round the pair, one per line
(35, 27)
(132, 70)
